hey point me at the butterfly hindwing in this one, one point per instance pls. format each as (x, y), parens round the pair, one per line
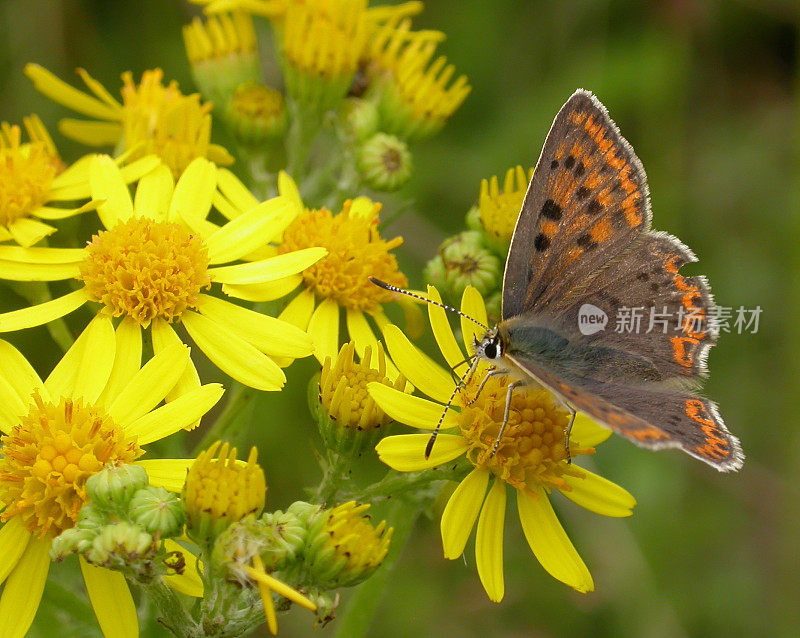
(652, 417)
(587, 201)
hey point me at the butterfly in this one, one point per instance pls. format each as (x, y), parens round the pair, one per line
(583, 247)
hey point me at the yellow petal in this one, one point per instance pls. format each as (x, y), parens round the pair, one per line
(549, 541)
(264, 292)
(414, 411)
(107, 184)
(23, 590)
(112, 601)
(249, 231)
(127, 360)
(472, 306)
(361, 333)
(443, 334)
(153, 194)
(135, 170)
(323, 328)
(236, 192)
(14, 537)
(84, 370)
(26, 231)
(90, 132)
(598, 495)
(148, 387)
(489, 542)
(43, 255)
(99, 90)
(258, 272)
(416, 366)
(66, 95)
(461, 510)
(77, 174)
(299, 310)
(43, 312)
(175, 415)
(189, 582)
(270, 335)
(586, 432)
(233, 355)
(406, 452)
(17, 271)
(194, 191)
(167, 473)
(52, 213)
(287, 188)
(12, 407)
(16, 370)
(163, 336)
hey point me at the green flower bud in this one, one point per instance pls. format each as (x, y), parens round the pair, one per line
(256, 114)
(384, 162)
(473, 219)
(114, 485)
(360, 118)
(285, 539)
(435, 273)
(119, 543)
(468, 263)
(343, 548)
(235, 546)
(157, 511)
(71, 541)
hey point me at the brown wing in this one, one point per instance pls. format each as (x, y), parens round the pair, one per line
(586, 203)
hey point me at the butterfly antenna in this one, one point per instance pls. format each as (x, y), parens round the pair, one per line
(462, 382)
(391, 288)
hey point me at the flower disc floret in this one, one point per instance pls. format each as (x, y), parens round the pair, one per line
(145, 270)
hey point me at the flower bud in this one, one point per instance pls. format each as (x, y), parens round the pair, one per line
(360, 118)
(114, 485)
(343, 548)
(119, 543)
(256, 114)
(157, 511)
(384, 162)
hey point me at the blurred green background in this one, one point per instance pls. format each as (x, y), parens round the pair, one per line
(707, 94)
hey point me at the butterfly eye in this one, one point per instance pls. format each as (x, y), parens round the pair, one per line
(490, 351)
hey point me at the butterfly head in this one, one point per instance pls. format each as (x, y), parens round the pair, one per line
(490, 347)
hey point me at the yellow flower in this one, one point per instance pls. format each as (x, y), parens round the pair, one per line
(498, 209)
(220, 491)
(157, 255)
(96, 409)
(356, 251)
(32, 179)
(531, 457)
(152, 118)
(413, 93)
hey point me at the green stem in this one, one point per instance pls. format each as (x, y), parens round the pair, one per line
(363, 605)
(234, 419)
(398, 483)
(172, 614)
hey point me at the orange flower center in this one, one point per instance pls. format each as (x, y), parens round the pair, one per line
(146, 269)
(532, 449)
(49, 456)
(355, 252)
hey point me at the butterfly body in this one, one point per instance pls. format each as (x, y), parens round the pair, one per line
(583, 239)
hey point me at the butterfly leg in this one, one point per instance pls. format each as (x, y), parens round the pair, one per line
(511, 387)
(568, 430)
(491, 371)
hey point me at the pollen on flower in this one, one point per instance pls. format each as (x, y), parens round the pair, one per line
(26, 172)
(49, 456)
(146, 269)
(356, 251)
(532, 450)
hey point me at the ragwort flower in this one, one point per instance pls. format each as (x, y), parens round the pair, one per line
(95, 410)
(152, 118)
(531, 457)
(157, 255)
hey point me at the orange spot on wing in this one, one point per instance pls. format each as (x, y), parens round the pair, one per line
(715, 446)
(631, 210)
(680, 350)
(682, 284)
(549, 228)
(601, 231)
(615, 161)
(651, 433)
(577, 118)
(593, 181)
(671, 265)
